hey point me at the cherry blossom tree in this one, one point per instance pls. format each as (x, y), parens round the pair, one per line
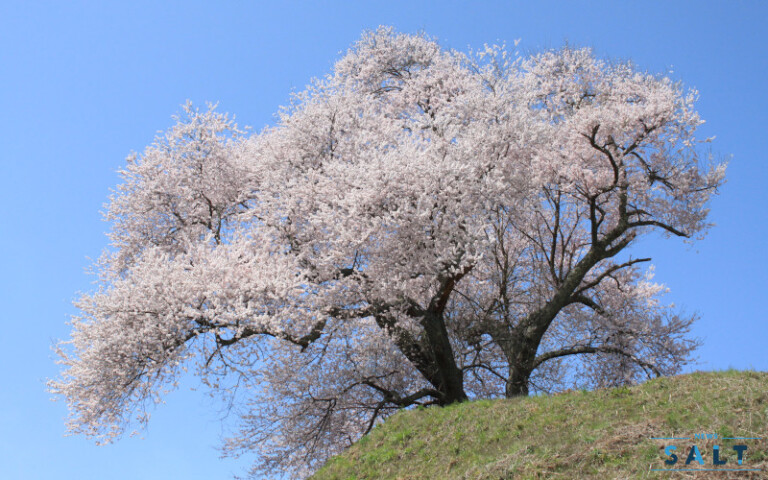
(420, 227)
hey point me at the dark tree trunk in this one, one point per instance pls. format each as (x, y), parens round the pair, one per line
(521, 352)
(432, 354)
(521, 344)
(448, 378)
(517, 384)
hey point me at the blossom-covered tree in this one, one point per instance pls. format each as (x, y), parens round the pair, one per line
(421, 227)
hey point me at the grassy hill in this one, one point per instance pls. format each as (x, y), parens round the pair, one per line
(604, 434)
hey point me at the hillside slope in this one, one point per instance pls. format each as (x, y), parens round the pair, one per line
(604, 434)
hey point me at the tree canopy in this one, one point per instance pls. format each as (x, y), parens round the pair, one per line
(422, 226)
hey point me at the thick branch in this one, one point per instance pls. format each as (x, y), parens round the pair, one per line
(608, 272)
(580, 349)
(656, 223)
(584, 300)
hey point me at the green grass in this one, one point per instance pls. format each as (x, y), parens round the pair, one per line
(604, 434)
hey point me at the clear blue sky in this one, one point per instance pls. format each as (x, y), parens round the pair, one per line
(83, 84)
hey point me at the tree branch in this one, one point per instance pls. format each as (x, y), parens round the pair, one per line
(580, 349)
(608, 272)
